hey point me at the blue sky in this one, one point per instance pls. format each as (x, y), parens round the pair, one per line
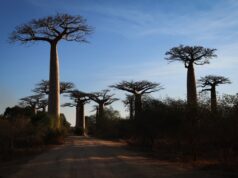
(129, 42)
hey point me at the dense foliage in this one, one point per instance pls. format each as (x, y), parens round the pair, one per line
(21, 129)
(168, 127)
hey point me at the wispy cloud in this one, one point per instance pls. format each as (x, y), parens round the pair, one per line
(217, 23)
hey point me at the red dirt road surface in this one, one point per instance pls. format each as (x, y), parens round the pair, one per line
(82, 157)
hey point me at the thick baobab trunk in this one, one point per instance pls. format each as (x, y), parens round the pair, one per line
(100, 116)
(101, 110)
(82, 118)
(54, 87)
(138, 105)
(77, 116)
(97, 113)
(131, 105)
(191, 87)
(213, 99)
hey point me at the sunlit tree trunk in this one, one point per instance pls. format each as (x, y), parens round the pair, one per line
(191, 86)
(54, 91)
(213, 99)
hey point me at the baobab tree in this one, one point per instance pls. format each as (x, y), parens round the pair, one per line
(209, 83)
(43, 103)
(138, 89)
(190, 55)
(32, 101)
(79, 100)
(43, 87)
(130, 103)
(53, 29)
(103, 99)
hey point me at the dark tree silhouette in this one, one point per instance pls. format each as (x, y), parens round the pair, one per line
(32, 101)
(130, 103)
(43, 87)
(95, 108)
(79, 100)
(209, 83)
(191, 55)
(103, 99)
(138, 89)
(52, 29)
(43, 103)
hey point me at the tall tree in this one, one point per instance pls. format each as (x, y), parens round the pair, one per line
(190, 55)
(79, 100)
(103, 99)
(209, 83)
(138, 89)
(52, 29)
(130, 103)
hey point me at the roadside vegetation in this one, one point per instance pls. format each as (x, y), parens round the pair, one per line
(202, 127)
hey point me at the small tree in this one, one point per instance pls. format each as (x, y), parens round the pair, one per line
(190, 55)
(79, 100)
(138, 89)
(102, 99)
(43, 103)
(32, 101)
(209, 83)
(52, 29)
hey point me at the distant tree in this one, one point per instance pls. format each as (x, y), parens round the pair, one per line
(209, 83)
(129, 102)
(43, 103)
(190, 55)
(52, 29)
(138, 89)
(79, 100)
(32, 101)
(95, 108)
(43, 87)
(102, 99)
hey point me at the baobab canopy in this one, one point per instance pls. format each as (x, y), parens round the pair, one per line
(190, 54)
(52, 28)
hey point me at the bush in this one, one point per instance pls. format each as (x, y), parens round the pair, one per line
(21, 130)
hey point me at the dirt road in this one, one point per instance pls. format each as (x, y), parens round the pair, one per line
(83, 157)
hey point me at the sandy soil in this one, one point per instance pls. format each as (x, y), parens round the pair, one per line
(82, 157)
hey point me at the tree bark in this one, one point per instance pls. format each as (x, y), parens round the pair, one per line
(191, 87)
(82, 118)
(131, 108)
(77, 116)
(138, 105)
(213, 99)
(100, 116)
(54, 86)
